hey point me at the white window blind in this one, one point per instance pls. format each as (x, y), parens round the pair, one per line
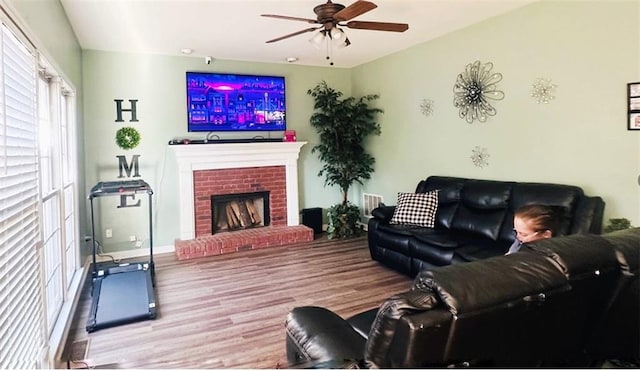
(22, 338)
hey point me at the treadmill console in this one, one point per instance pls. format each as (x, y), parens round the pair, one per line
(122, 186)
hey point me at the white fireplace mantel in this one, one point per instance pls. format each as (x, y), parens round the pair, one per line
(193, 157)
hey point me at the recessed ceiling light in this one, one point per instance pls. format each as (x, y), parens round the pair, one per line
(186, 51)
(292, 59)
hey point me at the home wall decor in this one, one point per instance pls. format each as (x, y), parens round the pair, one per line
(542, 90)
(633, 105)
(127, 138)
(472, 90)
(480, 156)
(426, 107)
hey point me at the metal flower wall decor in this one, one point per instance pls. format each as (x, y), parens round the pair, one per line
(480, 156)
(426, 106)
(472, 90)
(542, 90)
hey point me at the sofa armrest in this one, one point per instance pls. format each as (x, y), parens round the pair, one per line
(317, 335)
(383, 213)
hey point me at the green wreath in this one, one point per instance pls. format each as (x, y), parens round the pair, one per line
(127, 138)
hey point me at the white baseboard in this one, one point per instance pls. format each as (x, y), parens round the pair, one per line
(134, 253)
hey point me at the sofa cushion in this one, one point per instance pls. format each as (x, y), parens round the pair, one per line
(403, 229)
(482, 209)
(448, 197)
(416, 209)
(434, 254)
(479, 250)
(563, 196)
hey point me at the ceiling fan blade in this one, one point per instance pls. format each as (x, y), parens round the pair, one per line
(378, 26)
(294, 34)
(358, 8)
(308, 20)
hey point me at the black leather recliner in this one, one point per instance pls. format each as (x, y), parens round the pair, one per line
(474, 221)
(568, 301)
(616, 332)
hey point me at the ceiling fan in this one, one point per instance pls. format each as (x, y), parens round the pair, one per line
(331, 15)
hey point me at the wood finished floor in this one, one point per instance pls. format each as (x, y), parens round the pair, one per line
(228, 311)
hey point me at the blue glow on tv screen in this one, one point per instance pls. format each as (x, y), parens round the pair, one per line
(233, 102)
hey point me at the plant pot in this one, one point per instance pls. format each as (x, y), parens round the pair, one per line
(343, 221)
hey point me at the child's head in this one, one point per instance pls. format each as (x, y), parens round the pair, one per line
(534, 222)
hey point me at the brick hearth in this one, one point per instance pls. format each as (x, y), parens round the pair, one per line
(248, 239)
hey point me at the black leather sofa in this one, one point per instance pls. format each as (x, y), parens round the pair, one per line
(570, 301)
(473, 221)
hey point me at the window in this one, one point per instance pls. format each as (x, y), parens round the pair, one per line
(39, 248)
(21, 309)
(57, 187)
(69, 183)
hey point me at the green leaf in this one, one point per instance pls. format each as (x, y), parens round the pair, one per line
(343, 124)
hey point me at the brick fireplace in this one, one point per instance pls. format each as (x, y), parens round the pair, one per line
(207, 170)
(229, 182)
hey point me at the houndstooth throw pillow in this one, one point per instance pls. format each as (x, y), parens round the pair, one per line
(416, 209)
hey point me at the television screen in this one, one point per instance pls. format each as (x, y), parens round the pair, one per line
(232, 102)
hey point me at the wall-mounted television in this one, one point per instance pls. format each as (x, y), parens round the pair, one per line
(234, 102)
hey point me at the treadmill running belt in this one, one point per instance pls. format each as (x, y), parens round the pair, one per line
(124, 298)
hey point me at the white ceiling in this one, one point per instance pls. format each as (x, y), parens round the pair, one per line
(234, 29)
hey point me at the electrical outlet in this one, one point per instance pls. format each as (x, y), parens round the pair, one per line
(138, 243)
(108, 233)
(132, 238)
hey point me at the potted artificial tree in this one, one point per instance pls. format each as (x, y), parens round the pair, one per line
(343, 124)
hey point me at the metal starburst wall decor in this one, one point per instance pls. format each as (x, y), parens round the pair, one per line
(542, 90)
(480, 156)
(426, 106)
(472, 90)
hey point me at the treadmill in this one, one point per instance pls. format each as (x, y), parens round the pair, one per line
(121, 293)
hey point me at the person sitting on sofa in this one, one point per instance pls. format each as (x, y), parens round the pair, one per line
(533, 222)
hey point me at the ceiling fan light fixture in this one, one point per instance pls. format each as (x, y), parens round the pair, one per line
(337, 34)
(344, 44)
(330, 29)
(318, 39)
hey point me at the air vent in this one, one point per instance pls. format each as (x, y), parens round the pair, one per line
(369, 202)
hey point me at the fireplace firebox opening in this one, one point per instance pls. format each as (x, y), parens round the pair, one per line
(237, 211)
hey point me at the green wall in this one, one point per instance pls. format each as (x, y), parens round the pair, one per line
(158, 83)
(590, 50)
